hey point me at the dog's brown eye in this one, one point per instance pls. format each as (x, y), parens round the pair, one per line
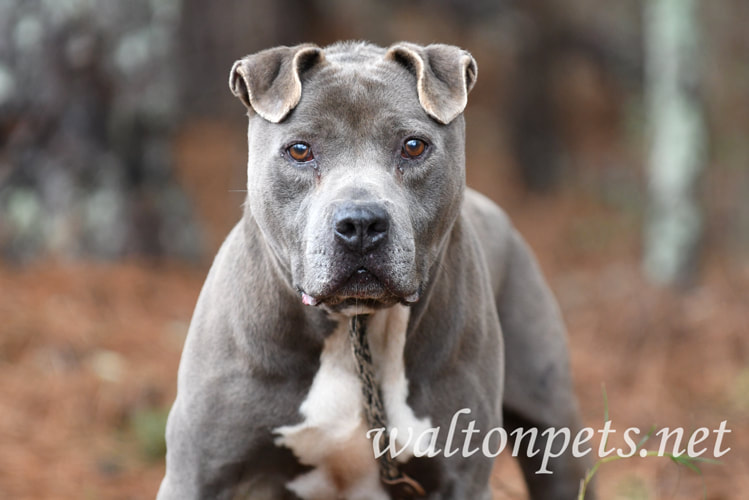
(413, 148)
(300, 152)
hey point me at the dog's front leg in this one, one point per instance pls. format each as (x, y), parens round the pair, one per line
(538, 390)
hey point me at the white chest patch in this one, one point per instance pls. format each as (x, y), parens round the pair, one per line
(332, 436)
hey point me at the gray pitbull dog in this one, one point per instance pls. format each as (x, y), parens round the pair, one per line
(357, 204)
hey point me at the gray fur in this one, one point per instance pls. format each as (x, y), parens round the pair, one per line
(253, 347)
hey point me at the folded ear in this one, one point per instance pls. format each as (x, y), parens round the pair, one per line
(269, 82)
(444, 76)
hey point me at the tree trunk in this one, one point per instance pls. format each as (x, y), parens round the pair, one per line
(677, 155)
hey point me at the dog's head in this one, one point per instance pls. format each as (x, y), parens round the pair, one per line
(356, 165)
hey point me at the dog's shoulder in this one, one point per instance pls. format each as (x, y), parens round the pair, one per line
(238, 276)
(481, 210)
(493, 229)
(230, 262)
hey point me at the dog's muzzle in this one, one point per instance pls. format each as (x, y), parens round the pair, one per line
(362, 264)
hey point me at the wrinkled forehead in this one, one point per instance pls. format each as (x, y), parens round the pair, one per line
(361, 95)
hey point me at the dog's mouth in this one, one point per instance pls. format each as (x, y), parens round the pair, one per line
(362, 289)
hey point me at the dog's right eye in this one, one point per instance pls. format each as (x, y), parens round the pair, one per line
(413, 148)
(300, 152)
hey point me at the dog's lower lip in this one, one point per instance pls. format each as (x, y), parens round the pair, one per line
(361, 284)
(360, 280)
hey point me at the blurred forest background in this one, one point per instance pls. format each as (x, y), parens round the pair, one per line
(613, 133)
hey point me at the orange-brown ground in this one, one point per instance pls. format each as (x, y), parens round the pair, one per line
(89, 355)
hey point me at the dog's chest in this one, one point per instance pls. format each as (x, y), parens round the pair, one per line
(332, 437)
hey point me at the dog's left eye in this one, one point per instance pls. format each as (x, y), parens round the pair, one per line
(413, 148)
(300, 152)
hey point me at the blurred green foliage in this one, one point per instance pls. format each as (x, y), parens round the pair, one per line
(148, 425)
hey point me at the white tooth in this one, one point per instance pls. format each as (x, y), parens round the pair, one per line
(414, 297)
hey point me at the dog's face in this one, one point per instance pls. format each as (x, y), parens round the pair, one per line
(356, 164)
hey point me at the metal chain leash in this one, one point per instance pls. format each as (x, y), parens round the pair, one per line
(401, 485)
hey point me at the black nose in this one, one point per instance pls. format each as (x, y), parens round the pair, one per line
(361, 227)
